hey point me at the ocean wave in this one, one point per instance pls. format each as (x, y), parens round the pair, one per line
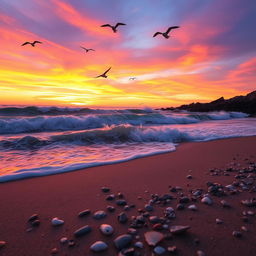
(73, 123)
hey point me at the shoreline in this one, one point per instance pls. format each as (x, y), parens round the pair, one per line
(65, 195)
(23, 175)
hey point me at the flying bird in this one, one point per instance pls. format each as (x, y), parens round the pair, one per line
(104, 74)
(165, 34)
(114, 28)
(132, 78)
(32, 44)
(87, 49)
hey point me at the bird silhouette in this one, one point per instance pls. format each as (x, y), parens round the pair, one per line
(87, 49)
(165, 34)
(114, 28)
(104, 74)
(132, 78)
(32, 44)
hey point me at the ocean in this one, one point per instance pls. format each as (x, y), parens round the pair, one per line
(37, 141)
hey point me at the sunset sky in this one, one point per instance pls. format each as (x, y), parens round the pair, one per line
(212, 54)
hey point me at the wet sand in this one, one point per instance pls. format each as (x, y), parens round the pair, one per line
(65, 195)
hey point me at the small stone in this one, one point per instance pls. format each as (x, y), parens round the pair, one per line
(149, 208)
(154, 219)
(122, 217)
(200, 253)
(245, 229)
(99, 246)
(184, 200)
(54, 251)
(106, 229)
(139, 245)
(180, 207)
(121, 202)
(219, 221)
(159, 250)
(158, 226)
(105, 189)
(189, 177)
(57, 222)
(2, 244)
(172, 249)
(207, 200)
(63, 240)
(127, 207)
(132, 231)
(35, 223)
(225, 204)
(237, 234)
(71, 243)
(165, 226)
(110, 197)
(120, 195)
(123, 241)
(111, 208)
(82, 231)
(84, 213)
(33, 217)
(99, 215)
(153, 237)
(176, 230)
(192, 207)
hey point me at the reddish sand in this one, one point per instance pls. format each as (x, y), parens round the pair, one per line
(65, 195)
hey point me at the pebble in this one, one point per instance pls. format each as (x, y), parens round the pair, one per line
(123, 241)
(82, 231)
(35, 223)
(225, 204)
(111, 208)
(2, 244)
(207, 200)
(122, 217)
(54, 251)
(219, 221)
(105, 189)
(176, 230)
(153, 237)
(189, 177)
(121, 202)
(84, 213)
(149, 208)
(106, 229)
(33, 217)
(71, 243)
(57, 222)
(99, 215)
(110, 197)
(172, 249)
(192, 207)
(99, 246)
(237, 234)
(244, 228)
(63, 240)
(132, 231)
(139, 245)
(200, 253)
(159, 250)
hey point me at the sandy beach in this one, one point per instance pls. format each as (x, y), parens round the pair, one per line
(65, 195)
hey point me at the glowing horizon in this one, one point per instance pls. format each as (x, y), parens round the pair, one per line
(211, 55)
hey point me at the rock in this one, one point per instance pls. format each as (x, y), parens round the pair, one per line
(99, 215)
(184, 200)
(33, 217)
(57, 222)
(245, 229)
(2, 244)
(35, 223)
(225, 204)
(139, 245)
(110, 197)
(82, 231)
(189, 177)
(120, 195)
(132, 231)
(237, 234)
(54, 251)
(63, 240)
(111, 208)
(176, 230)
(172, 249)
(105, 189)
(149, 208)
(180, 207)
(192, 207)
(219, 221)
(121, 202)
(71, 243)
(122, 217)
(84, 213)
(207, 200)
(200, 253)
(169, 213)
(153, 237)
(99, 246)
(158, 226)
(123, 241)
(154, 219)
(128, 252)
(159, 250)
(106, 229)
